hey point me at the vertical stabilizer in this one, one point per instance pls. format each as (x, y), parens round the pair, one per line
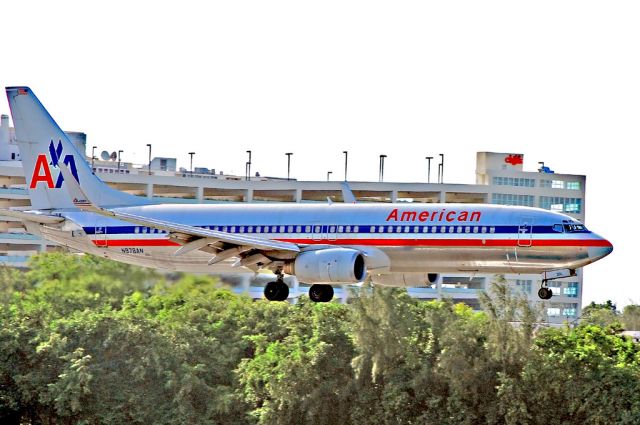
(42, 146)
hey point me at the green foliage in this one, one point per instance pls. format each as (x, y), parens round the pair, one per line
(631, 317)
(84, 340)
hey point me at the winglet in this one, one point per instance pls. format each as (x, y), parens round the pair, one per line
(347, 194)
(78, 196)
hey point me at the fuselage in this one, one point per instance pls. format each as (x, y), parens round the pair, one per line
(416, 238)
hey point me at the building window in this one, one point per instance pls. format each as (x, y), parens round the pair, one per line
(512, 199)
(514, 181)
(571, 290)
(524, 285)
(573, 185)
(557, 203)
(553, 312)
(557, 184)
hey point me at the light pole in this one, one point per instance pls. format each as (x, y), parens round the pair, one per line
(149, 146)
(429, 158)
(288, 164)
(119, 152)
(381, 170)
(248, 167)
(191, 166)
(93, 158)
(329, 174)
(346, 157)
(441, 168)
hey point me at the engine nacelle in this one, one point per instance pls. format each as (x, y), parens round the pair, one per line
(331, 265)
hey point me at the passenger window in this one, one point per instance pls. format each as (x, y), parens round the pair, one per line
(258, 229)
(467, 229)
(348, 229)
(355, 229)
(281, 229)
(475, 229)
(459, 229)
(332, 229)
(241, 229)
(406, 229)
(307, 229)
(484, 229)
(492, 229)
(136, 230)
(232, 229)
(224, 228)
(316, 229)
(380, 229)
(452, 229)
(443, 229)
(250, 229)
(144, 230)
(434, 229)
(290, 229)
(373, 229)
(298, 229)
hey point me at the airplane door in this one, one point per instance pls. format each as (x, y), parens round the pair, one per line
(101, 234)
(525, 232)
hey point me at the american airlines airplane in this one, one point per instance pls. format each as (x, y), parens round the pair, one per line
(404, 244)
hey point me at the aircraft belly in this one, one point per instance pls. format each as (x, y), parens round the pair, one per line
(484, 259)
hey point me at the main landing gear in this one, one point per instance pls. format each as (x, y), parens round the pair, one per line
(321, 293)
(544, 292)
(279, 291)
(276, 291)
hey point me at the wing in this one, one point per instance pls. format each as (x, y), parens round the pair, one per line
(224, 245)
(34, 216)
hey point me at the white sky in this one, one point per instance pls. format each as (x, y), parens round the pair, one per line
(558, 81)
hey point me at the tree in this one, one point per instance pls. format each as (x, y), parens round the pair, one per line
(631, 317)
(604, 314)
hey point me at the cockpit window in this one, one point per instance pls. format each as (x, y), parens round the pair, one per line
(571, 227)
(557, 228)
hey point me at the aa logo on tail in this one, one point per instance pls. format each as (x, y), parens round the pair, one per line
(42, 169)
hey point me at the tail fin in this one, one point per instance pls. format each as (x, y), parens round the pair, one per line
(42, 145)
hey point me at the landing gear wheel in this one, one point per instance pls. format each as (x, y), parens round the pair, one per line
(276, 291)
(321, 293)
(545, 293)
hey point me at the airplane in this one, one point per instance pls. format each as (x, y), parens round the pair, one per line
(390, 244)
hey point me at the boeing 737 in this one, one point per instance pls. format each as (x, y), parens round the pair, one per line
(401, 244)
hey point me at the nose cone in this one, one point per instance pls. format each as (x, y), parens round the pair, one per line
(600, 249)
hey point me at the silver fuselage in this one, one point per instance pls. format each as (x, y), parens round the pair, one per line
(416, 238)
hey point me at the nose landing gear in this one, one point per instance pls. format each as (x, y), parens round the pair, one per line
(544, 292)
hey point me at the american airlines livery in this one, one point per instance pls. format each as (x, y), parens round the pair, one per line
(321, 244)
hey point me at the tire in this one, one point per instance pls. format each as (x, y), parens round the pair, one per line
(328, 293)
(320, 293)
(283, 291)
(315, 293)
(271, 291)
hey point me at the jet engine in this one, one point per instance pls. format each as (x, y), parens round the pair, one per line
(330, 265)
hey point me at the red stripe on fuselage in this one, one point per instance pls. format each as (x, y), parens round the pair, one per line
(388, 242)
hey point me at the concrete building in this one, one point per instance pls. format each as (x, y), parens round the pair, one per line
(500, 179)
